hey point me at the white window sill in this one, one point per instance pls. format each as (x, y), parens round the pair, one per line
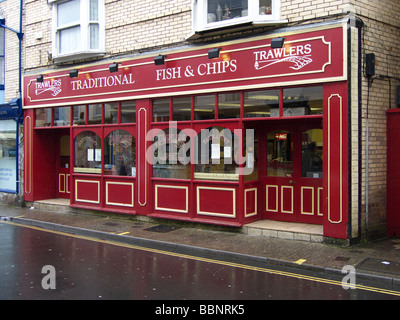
(77, 56)
(223, 28)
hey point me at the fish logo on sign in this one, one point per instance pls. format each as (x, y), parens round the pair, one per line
(50, 85)
(299, 56)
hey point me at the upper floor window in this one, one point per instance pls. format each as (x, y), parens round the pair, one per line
(78, 29)
(210, 14)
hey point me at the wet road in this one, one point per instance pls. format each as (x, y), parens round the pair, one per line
(93, 269)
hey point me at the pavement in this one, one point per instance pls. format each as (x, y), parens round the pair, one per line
(376, 263)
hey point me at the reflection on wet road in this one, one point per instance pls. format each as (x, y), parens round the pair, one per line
(96, 269)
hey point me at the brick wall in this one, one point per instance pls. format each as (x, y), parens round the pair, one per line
(382, 37)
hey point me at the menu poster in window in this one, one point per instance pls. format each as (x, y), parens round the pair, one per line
(227, 152)
(97, 155)
(215, 151)
(90, 155)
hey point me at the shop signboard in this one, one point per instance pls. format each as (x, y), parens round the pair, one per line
(306, 57)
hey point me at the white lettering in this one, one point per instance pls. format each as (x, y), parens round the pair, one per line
(101, 82)
(183, 311)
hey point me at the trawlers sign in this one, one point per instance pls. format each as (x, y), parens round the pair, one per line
(316, 56)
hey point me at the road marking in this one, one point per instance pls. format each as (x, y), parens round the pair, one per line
(300, 261)
(122, 233)
(219, 262)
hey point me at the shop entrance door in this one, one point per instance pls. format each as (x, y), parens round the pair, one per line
(63, 167)
(292, 176)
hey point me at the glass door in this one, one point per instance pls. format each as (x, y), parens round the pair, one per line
(292, 182)
(280, 176)
(63, 172)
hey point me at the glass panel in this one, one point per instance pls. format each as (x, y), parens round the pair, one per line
(265, 7)
(280, 154)
(216, 154)
(120, 154)
(94, 36)
(64, 151)
(2, 69)
(171, 149)
(68, 12)
(128, 112)
(62, 116)
(181, 109)
(302, 101)
(94, 114)
(161, 110)
(229, 105)
(79, 114)
(8, 154)
(312, 148)
(251, 146)
(204, 107)
(69, 39)
(94, 10)
(261, 104)
(111, 112)
(87, 146)
(221, 10)
(43, 117)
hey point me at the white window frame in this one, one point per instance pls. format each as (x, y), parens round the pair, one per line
(84, 50)
(199, 16)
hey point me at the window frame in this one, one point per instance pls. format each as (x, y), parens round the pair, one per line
(84, 51)
(199, 16)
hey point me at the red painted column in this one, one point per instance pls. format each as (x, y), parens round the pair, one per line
(144, 173)
(28, 147)
(336, 182)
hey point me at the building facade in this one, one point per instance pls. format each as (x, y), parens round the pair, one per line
(213, 111)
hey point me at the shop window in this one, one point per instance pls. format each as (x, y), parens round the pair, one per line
(302, 101)
(128, 112)
(181, 109)
(61, 116)
(94, 115)
(87, 146)
(8, 154)
(312, 147)
(280, 154)
(43, 117)
(210, 14)
(161, 110)
(229, 105)
(204, 107)
(78, 29)
(261, 104)
(216, 154)
(111, 113)
(120, 154)
(79, 115)
(171, 154)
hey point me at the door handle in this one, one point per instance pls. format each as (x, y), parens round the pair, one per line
(292, 182)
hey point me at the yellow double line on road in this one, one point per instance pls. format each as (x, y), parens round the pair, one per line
(219, 262)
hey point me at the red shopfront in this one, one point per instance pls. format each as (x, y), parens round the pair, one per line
(256, 133)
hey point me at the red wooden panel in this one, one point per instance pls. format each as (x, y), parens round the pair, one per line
(119, 193)
(287, 199)
(216, 201)
(87, 191)
(171, 198)
(251, 201)
(320, 202)
(307, 200)
(272, 198)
